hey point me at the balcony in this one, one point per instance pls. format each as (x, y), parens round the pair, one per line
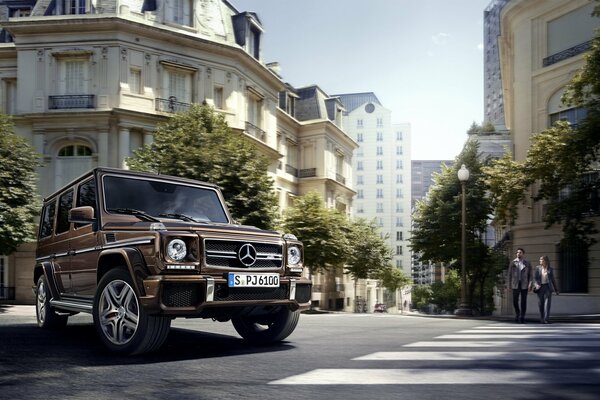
(71, 101)
(340, 179)
(171, 105)
(307, 173)
(255, 131)
(291, 170)
(568, 53)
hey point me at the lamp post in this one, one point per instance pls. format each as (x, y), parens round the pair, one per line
(463, 308)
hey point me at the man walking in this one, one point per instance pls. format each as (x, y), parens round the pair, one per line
(519, 278)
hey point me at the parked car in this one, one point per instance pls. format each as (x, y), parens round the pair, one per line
(138, 249)
(380, 308)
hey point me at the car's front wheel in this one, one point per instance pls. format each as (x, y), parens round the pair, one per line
(267, 328)
(47, 317)
(123, 326)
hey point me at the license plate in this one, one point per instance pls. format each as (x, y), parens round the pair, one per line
(252, 280)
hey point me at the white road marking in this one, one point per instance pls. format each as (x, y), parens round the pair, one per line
(507, 336)
(514, 344)
(476, 356)
(440, 376)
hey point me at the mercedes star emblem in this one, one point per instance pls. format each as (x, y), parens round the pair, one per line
(247, 255)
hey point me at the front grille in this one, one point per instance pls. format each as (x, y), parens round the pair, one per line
(181, 294)
(225, 254)
(225, 293)
(303, 293)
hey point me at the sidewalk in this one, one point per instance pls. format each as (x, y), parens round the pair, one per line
(20, 310)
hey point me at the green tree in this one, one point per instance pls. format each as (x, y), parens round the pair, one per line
(445, 294)
(324, 232)
(369, 253)
(421, 296)
(19, 203)
(437, 221)
(199, 144)
(394, 280)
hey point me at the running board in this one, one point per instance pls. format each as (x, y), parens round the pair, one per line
(69, 305)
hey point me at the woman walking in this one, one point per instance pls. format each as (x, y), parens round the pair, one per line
(544, 284)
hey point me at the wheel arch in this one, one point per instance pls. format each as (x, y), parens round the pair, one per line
(45, 268)
(129, 258)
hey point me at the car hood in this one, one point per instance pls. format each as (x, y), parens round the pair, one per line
(189, 227)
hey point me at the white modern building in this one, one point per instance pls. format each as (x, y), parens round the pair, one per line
(382, 172)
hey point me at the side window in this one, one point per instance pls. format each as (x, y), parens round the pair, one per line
(47, 222)
(86, 196)
(65, 203)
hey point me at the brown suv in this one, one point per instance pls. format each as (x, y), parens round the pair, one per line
(137, 250)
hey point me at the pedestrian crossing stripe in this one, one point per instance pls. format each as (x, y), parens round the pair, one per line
(440, 376)
(477, 356)
(506, 343)
(525, 337)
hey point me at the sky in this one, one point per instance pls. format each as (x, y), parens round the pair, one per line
(423, 59)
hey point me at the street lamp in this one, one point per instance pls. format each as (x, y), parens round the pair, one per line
(463, 308)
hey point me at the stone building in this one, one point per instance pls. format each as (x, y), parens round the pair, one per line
(86, 82)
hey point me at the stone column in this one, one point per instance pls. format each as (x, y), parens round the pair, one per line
(103, 160)
(124, 145)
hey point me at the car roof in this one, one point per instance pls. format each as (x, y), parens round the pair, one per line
(125, 172)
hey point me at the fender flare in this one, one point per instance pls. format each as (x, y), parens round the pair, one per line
(135, 264)
(47, 269)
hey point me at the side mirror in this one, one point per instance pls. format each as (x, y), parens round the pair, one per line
(82, 215)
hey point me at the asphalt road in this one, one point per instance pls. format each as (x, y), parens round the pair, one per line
(329, 356)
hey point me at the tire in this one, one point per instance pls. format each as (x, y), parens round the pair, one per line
(47, 317)
(123, 326)
(268, 328)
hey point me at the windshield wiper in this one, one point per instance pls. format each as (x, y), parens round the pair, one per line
(182, 217)
(130, 211)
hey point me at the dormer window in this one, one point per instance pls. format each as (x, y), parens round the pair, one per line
(248, 31)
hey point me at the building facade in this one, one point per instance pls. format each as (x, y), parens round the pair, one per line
(542, 45)
(382, 173)
(87, 82)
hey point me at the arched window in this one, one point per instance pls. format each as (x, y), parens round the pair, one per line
(72, 160)
(557, 111)
(75, 150)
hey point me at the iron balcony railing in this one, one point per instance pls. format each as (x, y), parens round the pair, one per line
(255, 131)
(71, 101)
(568, 53)
(307, 173)
(340, 178)
(171, 105)
(291, 170)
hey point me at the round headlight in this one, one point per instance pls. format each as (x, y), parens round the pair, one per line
(293, 255)
(176, 250)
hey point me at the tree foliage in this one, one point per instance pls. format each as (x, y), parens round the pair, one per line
(438, 219)
(198, 144)
(445, 294)
(19, 203)
(324, 232)
(369, 253)
(393, 278)
(421, 296)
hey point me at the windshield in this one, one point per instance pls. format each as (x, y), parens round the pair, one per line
(163, 199)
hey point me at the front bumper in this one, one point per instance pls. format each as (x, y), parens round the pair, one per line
(197, 295)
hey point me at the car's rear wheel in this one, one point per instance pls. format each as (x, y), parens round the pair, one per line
(47, 317)
(123, 326)
(267, 328)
